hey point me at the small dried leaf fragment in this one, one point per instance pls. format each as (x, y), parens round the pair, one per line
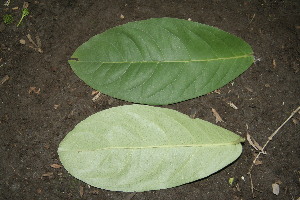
(36, 46)
(275, 188)
(30, 39)
(94, 191)
(218, 91)
(48, 174)
(56, 106)
(258, 162)
(254, 144)
(7, 3)
(81, 191)
(232, 105)
(274, 63)
(55, 166)
(217, 116)
(22, 41)
(4, 79)
(295, 121)
(249, 89)
(94, 92)
(96, 97)
(34, 89)
(250, 141)
(25, 4)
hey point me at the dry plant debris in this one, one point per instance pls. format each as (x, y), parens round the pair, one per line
(48, 174)
(217, 116)
(252, 18)
(37, 46)
(95, 191)
(97, 96)
(25, 4)
(257, 162)
(34, 90)
(249, 89)
(81, 191)
(254, 144)
(218, 91)
(274, 63)
(94, 92)
(55, 166)
(262, 151)
(56, 106)
(22, 41)
(6, 3)
(4, 79)
(232, 105)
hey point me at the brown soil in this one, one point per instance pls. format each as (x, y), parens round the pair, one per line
(43, 99)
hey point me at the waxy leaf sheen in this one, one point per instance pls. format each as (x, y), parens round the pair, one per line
(140, 148)
(161, 60)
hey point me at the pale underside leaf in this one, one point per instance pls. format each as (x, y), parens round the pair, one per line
(161, 61)
(140, 148)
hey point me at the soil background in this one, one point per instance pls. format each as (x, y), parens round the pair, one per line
(43, 99)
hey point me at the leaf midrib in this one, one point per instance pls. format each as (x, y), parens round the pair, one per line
(165, 61)
(165, 146)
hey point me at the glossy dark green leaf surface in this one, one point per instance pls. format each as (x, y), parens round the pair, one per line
(161, 61)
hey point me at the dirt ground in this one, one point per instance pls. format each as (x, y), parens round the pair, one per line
(42, 99)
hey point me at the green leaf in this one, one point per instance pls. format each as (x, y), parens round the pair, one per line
(161, 61)
(140, 148)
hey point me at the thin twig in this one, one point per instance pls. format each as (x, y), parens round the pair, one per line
(262, 150)
(252, 187)
(252, 18)
(271, 137)
(4, 79)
